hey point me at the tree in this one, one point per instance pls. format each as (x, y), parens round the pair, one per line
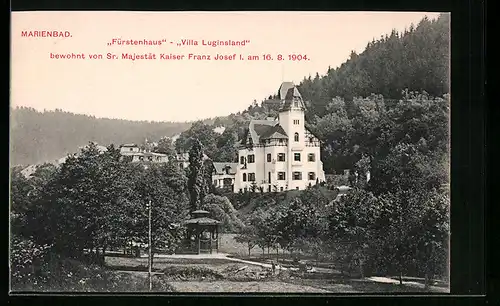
(247, 235)
(166, 146)
(201, 132)
(222, 210)
(169, 208)
(196, 176)
(352, 226)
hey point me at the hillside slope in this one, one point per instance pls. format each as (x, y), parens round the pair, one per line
(42, 136)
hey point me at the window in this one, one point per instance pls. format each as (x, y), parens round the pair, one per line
(269, 188)
(311, 157)
(269, 157)
(296, 137)
(296, 156)
(251, 177)
(281, 188)
(269, 177)
(297, 176)
(241, 190)
(215, 182)
(297, 188)
(296, 121)
(242, 160)
(244, 177)
(280, 140)
(269, 141)
(251, 158)
(311, 139)
(281, 157)
(131, 149)
(312, 176)
(281, 176)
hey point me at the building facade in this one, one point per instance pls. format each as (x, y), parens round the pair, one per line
(280, 154)
(135, 154)
(224, 175)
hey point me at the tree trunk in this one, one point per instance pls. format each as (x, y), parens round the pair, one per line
(277, 254)
(249, 249)
(103, 259)
(401, 278)
(426, 281)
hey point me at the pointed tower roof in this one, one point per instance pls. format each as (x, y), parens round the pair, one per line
(289, 94)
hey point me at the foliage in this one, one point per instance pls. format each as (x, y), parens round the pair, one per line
(166, 146)
(249, 236)
(404, 231)
(417, 59)
(96, 201)
(222, 210)
(196, 178)
(37, 268)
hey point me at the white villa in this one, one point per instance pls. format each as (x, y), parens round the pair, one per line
(280, 154)
(136, 154)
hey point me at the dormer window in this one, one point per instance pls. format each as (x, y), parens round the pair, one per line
(296, 121)
(296, 137)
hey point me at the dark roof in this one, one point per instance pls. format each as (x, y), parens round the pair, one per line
(284, 89)
(288, 92)
(259, 127)
(219, 167)
(202, 221)
(276, 131)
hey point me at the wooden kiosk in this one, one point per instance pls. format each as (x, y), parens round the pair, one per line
(202, 233)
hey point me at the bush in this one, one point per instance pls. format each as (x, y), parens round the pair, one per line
(196, 273)
(35, 268)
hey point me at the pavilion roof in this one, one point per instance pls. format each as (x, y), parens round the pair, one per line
(202, 221)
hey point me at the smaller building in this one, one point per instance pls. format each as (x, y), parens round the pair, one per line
(182, 159)
(224, 174)
(202, 233)
(136, 154)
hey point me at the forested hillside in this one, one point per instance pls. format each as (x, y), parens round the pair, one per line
(43, 136)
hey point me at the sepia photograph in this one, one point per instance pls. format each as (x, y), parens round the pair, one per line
(230, 152)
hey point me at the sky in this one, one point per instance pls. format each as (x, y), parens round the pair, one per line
(180, 90)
